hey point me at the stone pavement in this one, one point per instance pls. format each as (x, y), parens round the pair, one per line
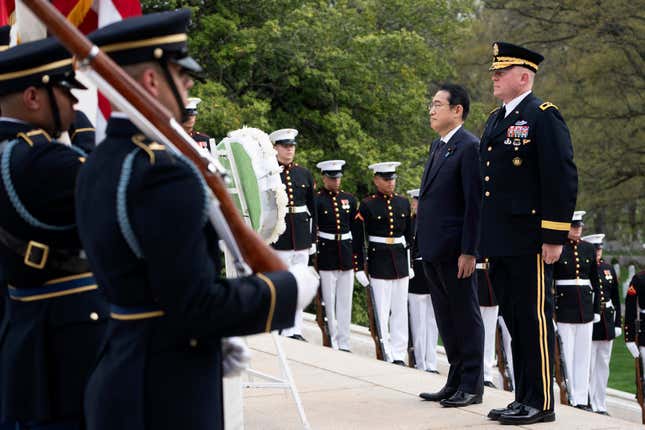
(340, 391)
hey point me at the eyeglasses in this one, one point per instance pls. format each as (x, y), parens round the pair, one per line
(437, 105)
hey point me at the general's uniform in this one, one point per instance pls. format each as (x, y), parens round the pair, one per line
(293, 246)
(577, 299)
(604, 331)
(423, 324)
(383, 221)
(530, 187)
(160, 366)
(55, 313)
(336, 212)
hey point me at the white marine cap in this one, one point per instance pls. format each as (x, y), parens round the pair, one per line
(595, 239)
(576, 220)
(284, 136)
(191, 106)
(414, 193)
(331, 168)
(386, 169)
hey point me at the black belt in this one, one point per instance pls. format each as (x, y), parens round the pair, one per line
(38, 255)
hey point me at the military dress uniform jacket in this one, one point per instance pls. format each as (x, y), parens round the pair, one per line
(383, 216)
(56, 315)
(634, 327)
(485, 290)
(301, 209)
(336, 213)
(610, 316)
(419, 284)
(576, 303)
(201, 138)
(530, 180)
(82, 133)
(142, 218)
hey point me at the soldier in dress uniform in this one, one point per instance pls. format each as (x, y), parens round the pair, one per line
(530, 188)
(634, 323)
(423, 324)
(191, 116)
(489, 309)
(605, 330)
(55, 313)
(142, 216)
(336, 210)
(299, 239)
(385, 227)
(577, 307)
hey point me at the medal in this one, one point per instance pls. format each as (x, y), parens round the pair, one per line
(517, 161)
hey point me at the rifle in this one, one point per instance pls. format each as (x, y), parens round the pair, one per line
(640, 384)
(375, 326)
(412, 359)
(321, 311)
(502, 360)
(156, 121)
(561, 371)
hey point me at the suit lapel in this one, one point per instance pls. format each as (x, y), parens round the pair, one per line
(426, 171)
(441, 158)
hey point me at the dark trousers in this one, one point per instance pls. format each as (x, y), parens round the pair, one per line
(460, 325)
(522, 285)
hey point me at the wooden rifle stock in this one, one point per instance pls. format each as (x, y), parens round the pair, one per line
(502, 360)
(321, 312)
(561, 371)
(258, 255)
(639, 386)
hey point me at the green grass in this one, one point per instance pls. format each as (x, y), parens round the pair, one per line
(621, 368)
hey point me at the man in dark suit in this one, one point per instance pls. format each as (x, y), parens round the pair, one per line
(529, 196)
(448, 236)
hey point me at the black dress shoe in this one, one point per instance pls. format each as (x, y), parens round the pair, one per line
(494, 414)
(603, 413)
(444, 393)
(399, 362)
(298, 337)
(432, 371)
(585, 408)
(489, 384)
(344, 350)
(460, 399)
(527, 415)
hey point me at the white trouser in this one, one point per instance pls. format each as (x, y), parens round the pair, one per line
(599, 375)
(425, 334)
(576, 348)
(506, 340)
(392, 295)
(293, 258)
(489, 318)
(337, 288)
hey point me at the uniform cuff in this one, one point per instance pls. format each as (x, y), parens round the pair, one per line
(283, 290)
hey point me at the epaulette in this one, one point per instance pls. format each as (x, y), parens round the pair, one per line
(82, 130)
(33, 137)
(546, 105)
(148, 146)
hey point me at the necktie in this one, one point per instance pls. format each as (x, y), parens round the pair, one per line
(435, 156)
(500, 116)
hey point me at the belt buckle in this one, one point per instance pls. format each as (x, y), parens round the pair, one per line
(389, 240)
(339, 236)
(39, 247)
(292, 209)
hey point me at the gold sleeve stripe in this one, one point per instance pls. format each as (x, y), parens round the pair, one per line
(139, 316)
(82, 130)
(269, 283)
(555, 225)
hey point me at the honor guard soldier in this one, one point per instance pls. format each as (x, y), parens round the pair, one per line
(336, 210)
(384, 227)
(577, 307)
(82, 133)
(530, 189)
(202, 139)
(634, 324)
(423, 325)
(299, 239)
(605, 330)
(55, 313)
(143, 220)
(489, 309)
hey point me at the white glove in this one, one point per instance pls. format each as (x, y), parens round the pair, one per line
(235, 356)
(411, 273)
(312, 249)
(617, 331)
(596, 318)
(307, 279)
(633, 349)
(362, 279)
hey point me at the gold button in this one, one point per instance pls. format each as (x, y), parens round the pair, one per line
(487, 163)
(389, 207)
(94, 316)
(487, 178)
(487, 193)
(289, 183)
(490, 148)
(193, 342)
(517, 148)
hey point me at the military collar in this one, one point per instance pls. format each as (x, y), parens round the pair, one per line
(573, 241)
(385, 196)
(332, 193)
(10, 127)
(120, 126)
(515, 102)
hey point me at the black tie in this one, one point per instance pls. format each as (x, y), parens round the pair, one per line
(440, 146)
(500, 116)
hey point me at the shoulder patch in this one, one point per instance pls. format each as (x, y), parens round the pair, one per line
(546, 105)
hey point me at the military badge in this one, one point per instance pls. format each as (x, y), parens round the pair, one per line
(344, 203)
(495, 49)
(521, 122)
(517, 161)
(526, 141)
(518, 131)
(508, 141)
(517, 142)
